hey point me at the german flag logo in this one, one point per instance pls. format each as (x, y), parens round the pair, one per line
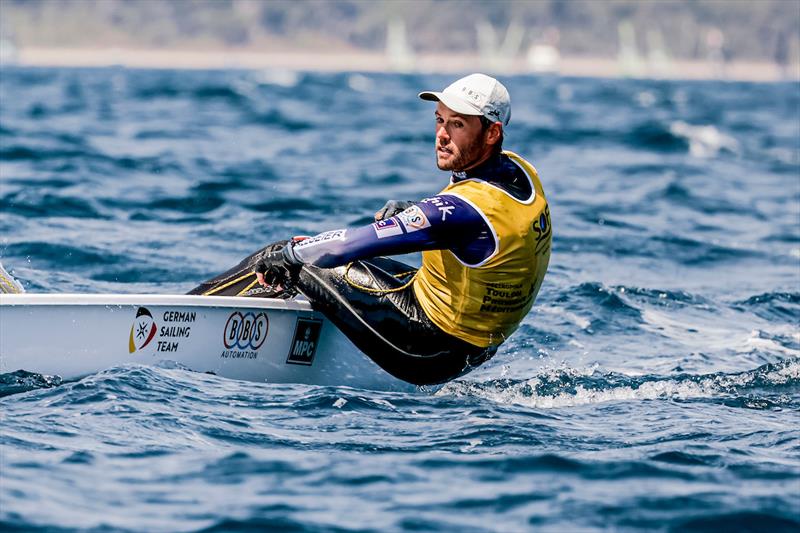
(142, 331)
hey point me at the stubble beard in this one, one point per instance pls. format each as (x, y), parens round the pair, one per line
(465, 158)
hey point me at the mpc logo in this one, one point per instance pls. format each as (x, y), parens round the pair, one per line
(304, 343)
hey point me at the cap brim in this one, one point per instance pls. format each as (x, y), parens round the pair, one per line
(453, 102)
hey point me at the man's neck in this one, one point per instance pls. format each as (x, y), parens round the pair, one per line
(501, 172)
(480, 161)
(491, 159)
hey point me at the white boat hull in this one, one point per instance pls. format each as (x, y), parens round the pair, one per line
(254, 339)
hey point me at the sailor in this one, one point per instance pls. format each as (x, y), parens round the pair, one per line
(485, 243)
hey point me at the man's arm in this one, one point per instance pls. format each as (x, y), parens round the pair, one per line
(441, 222)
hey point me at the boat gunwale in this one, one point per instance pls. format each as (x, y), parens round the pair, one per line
(177, 300)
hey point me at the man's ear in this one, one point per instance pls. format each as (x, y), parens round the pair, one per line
(494, 133)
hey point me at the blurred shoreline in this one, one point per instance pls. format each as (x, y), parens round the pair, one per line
(362, 61)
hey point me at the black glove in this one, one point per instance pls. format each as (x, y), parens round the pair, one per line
(391, 208)
(279, 265)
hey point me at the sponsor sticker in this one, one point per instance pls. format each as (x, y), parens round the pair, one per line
(541, 227)
(175, 325)
(244, 334)
(387, 228)
(445, 207)
(304, 342)
(142, 331)
(257, 290)
(327, 236)
(414, 219)
(446, 211)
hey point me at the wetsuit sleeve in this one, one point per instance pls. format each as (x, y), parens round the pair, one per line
(441, 222)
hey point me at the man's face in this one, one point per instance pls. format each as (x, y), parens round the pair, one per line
(460, 139)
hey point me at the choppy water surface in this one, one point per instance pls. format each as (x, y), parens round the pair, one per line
(656, 384)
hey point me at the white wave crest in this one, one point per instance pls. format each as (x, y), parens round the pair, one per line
(704, 141)
(682, 388)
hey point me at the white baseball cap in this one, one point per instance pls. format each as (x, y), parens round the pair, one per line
(476, 94)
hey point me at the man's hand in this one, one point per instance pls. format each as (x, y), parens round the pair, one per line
(391, 208)
(277, 266)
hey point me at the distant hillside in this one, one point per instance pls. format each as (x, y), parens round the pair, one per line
(745, 29)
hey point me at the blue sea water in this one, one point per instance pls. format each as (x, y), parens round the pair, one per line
(655, 385)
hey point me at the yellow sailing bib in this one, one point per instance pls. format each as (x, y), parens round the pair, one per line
(483, 304)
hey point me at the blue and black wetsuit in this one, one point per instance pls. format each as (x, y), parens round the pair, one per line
(347, 277)
(447, 222)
